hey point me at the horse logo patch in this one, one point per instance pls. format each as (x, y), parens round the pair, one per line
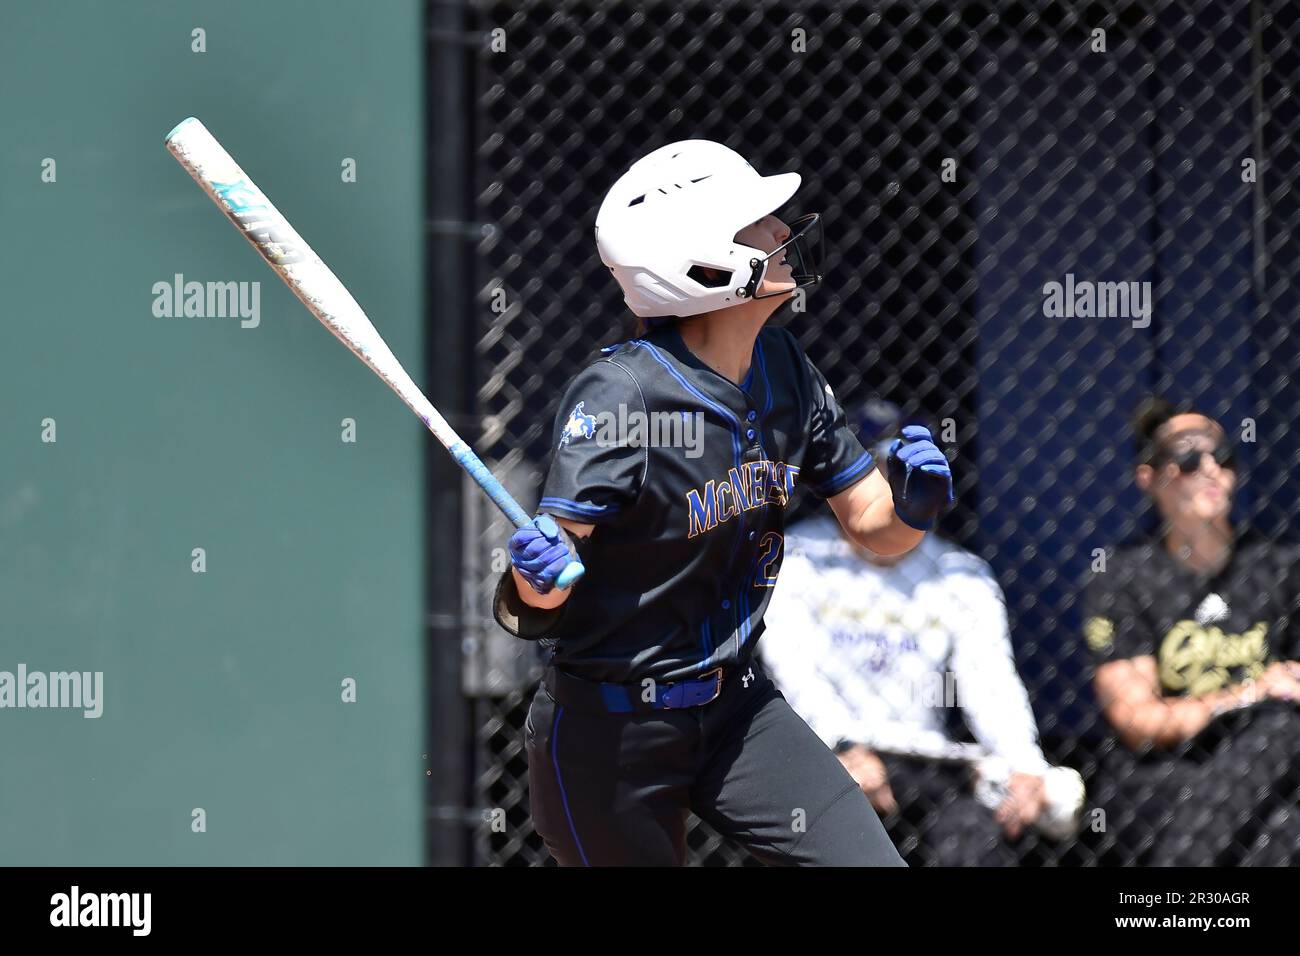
(579, 425)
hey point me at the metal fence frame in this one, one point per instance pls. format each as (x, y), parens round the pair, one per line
(887, 91)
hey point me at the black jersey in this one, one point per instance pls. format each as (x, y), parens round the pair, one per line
(1205, 632)
(686, 476)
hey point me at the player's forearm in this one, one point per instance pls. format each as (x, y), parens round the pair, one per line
(1168, 723)
(551, 599)
(889, 516)
(879, 529)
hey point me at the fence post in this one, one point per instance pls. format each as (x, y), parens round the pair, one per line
(447, 359)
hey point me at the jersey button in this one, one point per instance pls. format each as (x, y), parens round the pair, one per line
(726, 605)
(752, 415)
(750, 434)
(752, 534)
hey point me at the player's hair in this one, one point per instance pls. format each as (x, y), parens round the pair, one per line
(641, 326)
(1152, 414)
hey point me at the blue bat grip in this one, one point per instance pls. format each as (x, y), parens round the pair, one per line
(474, 467)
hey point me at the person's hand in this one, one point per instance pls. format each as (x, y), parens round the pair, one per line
(539, 553)
(868, 770)
(1025, 800)
(1280, 681)
(919, 477)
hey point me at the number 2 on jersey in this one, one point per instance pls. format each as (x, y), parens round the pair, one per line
(769, 560)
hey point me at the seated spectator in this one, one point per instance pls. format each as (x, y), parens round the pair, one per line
(871, 651)
(1188, 630)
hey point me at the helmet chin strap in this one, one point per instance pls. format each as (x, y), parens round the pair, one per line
(804, 244)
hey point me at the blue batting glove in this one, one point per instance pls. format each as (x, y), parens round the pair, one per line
(539, 553)
(919, 477)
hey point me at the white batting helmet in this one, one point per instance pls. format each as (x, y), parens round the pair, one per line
(673, 217)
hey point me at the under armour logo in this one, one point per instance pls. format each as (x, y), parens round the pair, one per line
(744, 680)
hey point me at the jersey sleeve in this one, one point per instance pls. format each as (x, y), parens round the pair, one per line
(1113, 628)
(595, 473)
(834, 459)
(993, 697)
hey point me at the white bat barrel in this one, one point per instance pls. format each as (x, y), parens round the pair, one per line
(227, 185)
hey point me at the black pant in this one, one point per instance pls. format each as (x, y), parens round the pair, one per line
(1230, 797)
(615, 789)
(939, 822)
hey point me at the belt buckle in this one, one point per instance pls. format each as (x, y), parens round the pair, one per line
(716, 673)
(717, 686)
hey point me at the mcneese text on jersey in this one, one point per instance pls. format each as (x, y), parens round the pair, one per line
(753, 485)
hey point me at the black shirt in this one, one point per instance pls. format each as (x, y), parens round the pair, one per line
(689, 511)
(1205, 632)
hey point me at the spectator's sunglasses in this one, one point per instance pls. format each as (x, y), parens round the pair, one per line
(1189, 459)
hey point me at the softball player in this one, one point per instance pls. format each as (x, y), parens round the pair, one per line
(675, 455)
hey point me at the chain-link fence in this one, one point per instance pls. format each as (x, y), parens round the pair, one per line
(965, 157)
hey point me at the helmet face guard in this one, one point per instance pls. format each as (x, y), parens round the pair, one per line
(803, 249)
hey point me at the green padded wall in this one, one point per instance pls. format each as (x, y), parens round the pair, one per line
(222, 690)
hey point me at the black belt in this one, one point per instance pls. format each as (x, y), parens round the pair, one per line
(632, 698)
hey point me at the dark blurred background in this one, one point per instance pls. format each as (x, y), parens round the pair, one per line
(1118, 160)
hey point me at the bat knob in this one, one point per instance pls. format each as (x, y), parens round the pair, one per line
(570, 575)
